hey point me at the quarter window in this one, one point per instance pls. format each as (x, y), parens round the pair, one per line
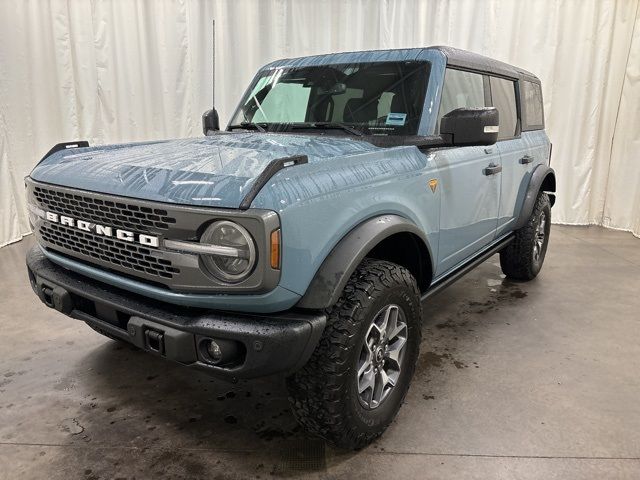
(461, 90)
(533, 104)
(503, 96)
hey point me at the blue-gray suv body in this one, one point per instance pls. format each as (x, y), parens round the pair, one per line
(346, 189)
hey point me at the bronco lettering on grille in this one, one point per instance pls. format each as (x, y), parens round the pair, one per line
(124, 235)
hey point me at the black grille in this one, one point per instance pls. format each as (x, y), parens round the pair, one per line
(104, 212)
(133, 257)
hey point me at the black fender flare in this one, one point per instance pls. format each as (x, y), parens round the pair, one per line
(543, 178)
(336, 269)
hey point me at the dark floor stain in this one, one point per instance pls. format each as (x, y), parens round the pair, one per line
(432, 359)
(230, 419)
(271, 433)
(428, 397)
(267, 431)
(450, 324)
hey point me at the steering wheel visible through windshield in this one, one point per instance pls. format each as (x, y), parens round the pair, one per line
(379, 98)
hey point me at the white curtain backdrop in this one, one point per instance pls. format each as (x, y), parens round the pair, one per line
(116, 71)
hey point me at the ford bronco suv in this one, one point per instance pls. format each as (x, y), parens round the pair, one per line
(346, 189)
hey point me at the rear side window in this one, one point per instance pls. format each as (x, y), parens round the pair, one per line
(461, 90)
(503, 96)
(533, 116)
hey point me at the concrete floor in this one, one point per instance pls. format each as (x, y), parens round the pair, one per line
(537, 380)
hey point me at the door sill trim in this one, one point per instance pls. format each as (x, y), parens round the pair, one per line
(466, 267)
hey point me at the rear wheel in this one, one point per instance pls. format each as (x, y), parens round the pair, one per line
(522, 259)
(353, 385)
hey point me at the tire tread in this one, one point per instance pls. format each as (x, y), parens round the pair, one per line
(316, 391)
(516, 260)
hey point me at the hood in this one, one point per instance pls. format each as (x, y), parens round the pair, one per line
(215, 171)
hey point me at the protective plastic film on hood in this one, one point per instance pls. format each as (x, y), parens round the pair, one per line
(212, 171)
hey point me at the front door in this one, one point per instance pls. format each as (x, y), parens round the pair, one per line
(469, 179)
(469, 196)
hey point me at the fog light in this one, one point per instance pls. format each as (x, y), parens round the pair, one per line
(221, 352)
(213, 351)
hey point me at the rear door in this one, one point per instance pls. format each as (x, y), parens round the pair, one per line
(517, 161)
(469, 193)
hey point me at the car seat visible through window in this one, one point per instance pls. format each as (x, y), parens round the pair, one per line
(360, 110)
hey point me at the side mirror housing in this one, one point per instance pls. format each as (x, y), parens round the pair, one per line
(210, 121)
(471, 126)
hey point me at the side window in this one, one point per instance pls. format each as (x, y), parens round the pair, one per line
(532, 105)
(503, 96)
(461, 89)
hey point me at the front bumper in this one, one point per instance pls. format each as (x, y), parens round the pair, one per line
(261, 344)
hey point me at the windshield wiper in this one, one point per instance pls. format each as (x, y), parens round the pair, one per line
(329, 126)
(249, 126)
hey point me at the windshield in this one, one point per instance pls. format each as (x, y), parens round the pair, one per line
(380, 98)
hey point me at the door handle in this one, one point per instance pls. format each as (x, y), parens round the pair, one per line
(492, 169)
(526, 159)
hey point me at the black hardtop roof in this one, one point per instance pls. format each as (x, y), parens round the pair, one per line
(456, 57)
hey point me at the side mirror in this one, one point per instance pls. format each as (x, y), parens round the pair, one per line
(471, 126)
(210, 121)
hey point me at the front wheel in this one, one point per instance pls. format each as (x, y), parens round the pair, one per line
(356, 379)
(522, 259)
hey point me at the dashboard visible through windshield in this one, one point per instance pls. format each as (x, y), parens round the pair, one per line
(377, 98)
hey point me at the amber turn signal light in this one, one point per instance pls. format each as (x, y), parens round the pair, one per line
(275, 249)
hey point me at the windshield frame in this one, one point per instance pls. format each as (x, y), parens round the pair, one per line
(423, 65)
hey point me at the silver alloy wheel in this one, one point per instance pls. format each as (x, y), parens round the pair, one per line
(540, 237)
(381, 356)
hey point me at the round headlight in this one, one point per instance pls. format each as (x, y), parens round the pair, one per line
(237, 252)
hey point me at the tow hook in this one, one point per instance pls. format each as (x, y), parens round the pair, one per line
(56, 297)
(154, 341)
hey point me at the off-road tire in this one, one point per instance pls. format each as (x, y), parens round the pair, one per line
(517, 259)
(324, 393)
